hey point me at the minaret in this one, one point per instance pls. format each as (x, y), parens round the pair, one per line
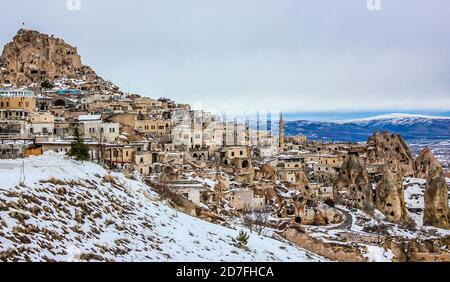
(281, 136)
(257, 128)
(235, 132)
(247, 131)
(224, 128)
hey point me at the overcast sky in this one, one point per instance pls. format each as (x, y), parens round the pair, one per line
(288, 55)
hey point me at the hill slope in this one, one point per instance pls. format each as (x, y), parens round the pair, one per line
(67, 210)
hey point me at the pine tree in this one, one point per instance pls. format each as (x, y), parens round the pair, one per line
(78, 149)
(46, 84)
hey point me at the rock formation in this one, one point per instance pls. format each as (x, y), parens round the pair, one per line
(425, 163)
(33, 57)
(436, 211)
(353, 183)
(320, 218)
(390, 149)
(266, 171)
(302, 178)
(220, 187)
(306, 194)
(390, 199)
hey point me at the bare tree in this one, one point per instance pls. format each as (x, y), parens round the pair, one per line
(248, 217)
(256, 219)
(100, 137)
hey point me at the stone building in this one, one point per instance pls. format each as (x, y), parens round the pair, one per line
(242, 199)
(16, 103)
(297, 140)
(92, 126)
(237, 156)
(42, 123)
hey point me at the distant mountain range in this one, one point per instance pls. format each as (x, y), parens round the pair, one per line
(411, 127)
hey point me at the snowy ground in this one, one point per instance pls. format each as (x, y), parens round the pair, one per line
(364, 225)
(440, 149)
(66, 210)
(414, 197)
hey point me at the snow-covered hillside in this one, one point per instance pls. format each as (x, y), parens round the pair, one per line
(396, 118)
(412, 127)
(65, 210)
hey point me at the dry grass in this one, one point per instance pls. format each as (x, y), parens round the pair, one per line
(54, 181)
(110, 179)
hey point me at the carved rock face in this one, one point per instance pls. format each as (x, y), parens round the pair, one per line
(353, 182)
(390, 199)
(390, 149)
(425, 163)
(436, 211)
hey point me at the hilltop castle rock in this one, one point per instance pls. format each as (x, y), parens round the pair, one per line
(390, 149)
(353, 180)
(390, 198)
(33, 57)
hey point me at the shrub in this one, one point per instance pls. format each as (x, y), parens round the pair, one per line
(46, 84)
(242, 239)
(78, 149)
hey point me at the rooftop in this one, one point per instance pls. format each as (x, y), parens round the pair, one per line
(16, 93)
(89, 117)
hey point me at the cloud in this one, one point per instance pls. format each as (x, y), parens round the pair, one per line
(284, 55)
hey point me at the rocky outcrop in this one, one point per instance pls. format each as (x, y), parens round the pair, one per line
(267, 172)
(425, 163)
(33, 57)
(436, 211)
(301, 177)
(220, 187)
(419, 250)
(353, 184)
(390, 198)
(390, 149)
(333, 251)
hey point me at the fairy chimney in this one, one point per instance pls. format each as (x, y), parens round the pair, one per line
(436, 211)
(391, 150)
(353, 184)
(425, 163)
(390, 198)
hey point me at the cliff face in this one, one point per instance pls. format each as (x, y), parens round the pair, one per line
(33, 57)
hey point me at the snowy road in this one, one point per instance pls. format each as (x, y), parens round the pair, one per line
(348, 221)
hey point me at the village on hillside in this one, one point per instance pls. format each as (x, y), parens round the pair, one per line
(348, 201)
